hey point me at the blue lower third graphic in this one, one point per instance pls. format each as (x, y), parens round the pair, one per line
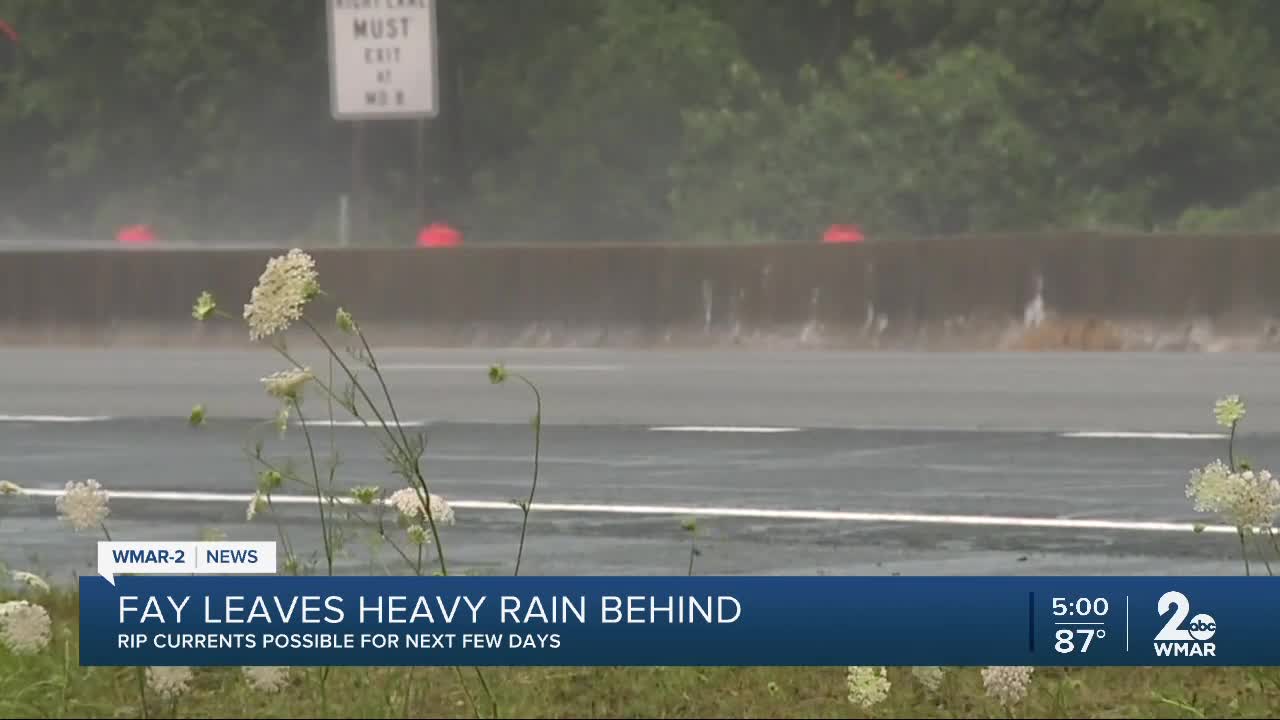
(679, 621)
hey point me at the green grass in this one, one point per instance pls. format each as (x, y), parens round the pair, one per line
(54, 685)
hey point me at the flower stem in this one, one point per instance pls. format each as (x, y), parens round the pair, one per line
(142, 690)
(537, 451)
(324, 691)
(1263, 552)
(333, 451)
(485, 684)
(404, 441)
(1244, 551)
(315, 472)
(402, 448)
(693, 551)
(1231, 446)
(397, 548)
(466, 691)
(280, 531)
(408, 690)
(431, 520)
(350, 375)
(391, 405)
(402, 444)
(284, 538)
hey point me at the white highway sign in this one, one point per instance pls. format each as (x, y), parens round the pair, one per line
(382, 59)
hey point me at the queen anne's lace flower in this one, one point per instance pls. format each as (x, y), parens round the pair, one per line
(283, 289)
(31, 580)
(1007, 684)
(168, 682)
(1246, 499)
(929, 675)
(286, 384)
(868, 685)
(266, 678)
(9, 488)
(409, 504)
(24, 627)
(1229, 410)
(417, 535)
(83, 504)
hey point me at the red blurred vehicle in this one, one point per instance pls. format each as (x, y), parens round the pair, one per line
(135, 235)
(438, 235)
(843, 234)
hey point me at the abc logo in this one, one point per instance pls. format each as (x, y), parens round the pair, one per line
(1202, 627)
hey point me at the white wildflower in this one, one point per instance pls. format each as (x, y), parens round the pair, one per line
(286, 384)
(1207, 485)
(24, 627)
(31, 580)
(929, 675)
(267, 678)
(1246, 499)
(283, 289)
(408, 502)
(257, 504)
(168, 682)
(10, 488)
(417, 535)
(868, 685)
(1229, 410)
(83, 504)
(1007, 684)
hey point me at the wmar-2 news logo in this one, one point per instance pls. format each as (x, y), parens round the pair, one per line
(1174, 640)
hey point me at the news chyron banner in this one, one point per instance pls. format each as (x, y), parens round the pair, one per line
(243, 615)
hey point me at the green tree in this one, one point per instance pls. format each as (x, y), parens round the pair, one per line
(622, 120)
(596, 165)
(943, 151)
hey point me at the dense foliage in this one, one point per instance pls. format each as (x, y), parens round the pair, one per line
(615, 120)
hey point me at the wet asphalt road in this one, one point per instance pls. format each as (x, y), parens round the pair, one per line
(644, 437)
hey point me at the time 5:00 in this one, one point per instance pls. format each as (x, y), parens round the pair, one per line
(1081, 606)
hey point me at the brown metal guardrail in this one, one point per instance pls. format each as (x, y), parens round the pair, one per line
(653, 293)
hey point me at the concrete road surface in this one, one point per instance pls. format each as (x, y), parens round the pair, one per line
(794, 462)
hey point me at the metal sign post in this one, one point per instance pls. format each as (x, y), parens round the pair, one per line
(382, 66)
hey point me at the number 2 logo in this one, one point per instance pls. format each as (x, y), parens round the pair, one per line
(1203, 626)
(1172, 630)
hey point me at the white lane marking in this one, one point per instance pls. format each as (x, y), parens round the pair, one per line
(53, 418)
(722, 429)
(705, 512)
(1105, 435)
(513, 368)
(359, 424)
